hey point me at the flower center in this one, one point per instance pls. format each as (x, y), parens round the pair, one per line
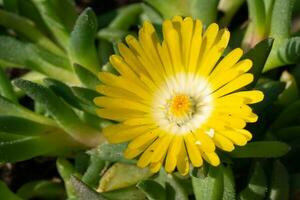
(182, 104)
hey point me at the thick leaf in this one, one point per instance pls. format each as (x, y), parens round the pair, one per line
(257, 28)
(42, 189)
(83, 192)
(7, 107)
(126, 17)
(201, 9)
(64, 91)
(229, 184)
(111, 152)
(87, 96)
(149, 14)
(291, 92)
(59, 17)
(257, 186)
(152, 190)
(271, 90)
(285, 51)
(259, 55)
(22, 126)
(289, 133)
(11, 5)
(175, 190)
(208, 186)
(279, 188)
(86, 77)
(122, 175)
(82, 48)
(14, 53)
(229, 8)
(261, 149)
(66, 170)
(28, 29)
(130, 193)
(6, 194)
(112, 34)
(6, 89)
(92, 175)
(15, 148)
(287, 117)
(61, 112)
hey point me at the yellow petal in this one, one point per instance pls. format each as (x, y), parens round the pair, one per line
(143, 139)
(183, 161)
(236, 84)
(193, 151)
(161, 150)
(235, 137)
(223, 143)
(172, 154)
(212, 158)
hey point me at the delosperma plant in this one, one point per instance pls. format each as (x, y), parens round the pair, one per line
(157, 99)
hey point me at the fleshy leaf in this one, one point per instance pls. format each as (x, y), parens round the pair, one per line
(261, 149)
(279, 187)
(82, 48)
(62, 113)
(122, 175)
(152, 190)
(6, 194)
(208, 186)
(257, 186)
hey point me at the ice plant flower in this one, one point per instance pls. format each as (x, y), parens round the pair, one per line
(176, 100)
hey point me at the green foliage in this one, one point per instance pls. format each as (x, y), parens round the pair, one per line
(61, 52)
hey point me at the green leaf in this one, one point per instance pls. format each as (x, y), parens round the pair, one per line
(41, 189)
(87, 96)
(6, 89)
(257, 186)
(84, 192)
(15, 148)
(173, 185)
(289, 133)
(122, 175)
(11, 5)
(271, 90)
(112, 34)
(14, 53)
(6, 194)
(126, 17)
(24, 126)
(66, 170)
(64, 91)
(204, 10)
(92, 175)
(28, 29)
(279, 187)
(7, 107)
(129, 193)
(111, 152)
(285, 53)
(229, 8)
(86, 77)
(210, 185)
(291, 92)
(149, 14)
(61, 112)
(82, 48)
(152, 190)
(261, 149)
(59, 17)
(257, 28)
(287, 117)
(229, 184)
(258, 55)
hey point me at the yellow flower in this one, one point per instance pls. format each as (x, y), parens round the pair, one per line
(176, 99)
